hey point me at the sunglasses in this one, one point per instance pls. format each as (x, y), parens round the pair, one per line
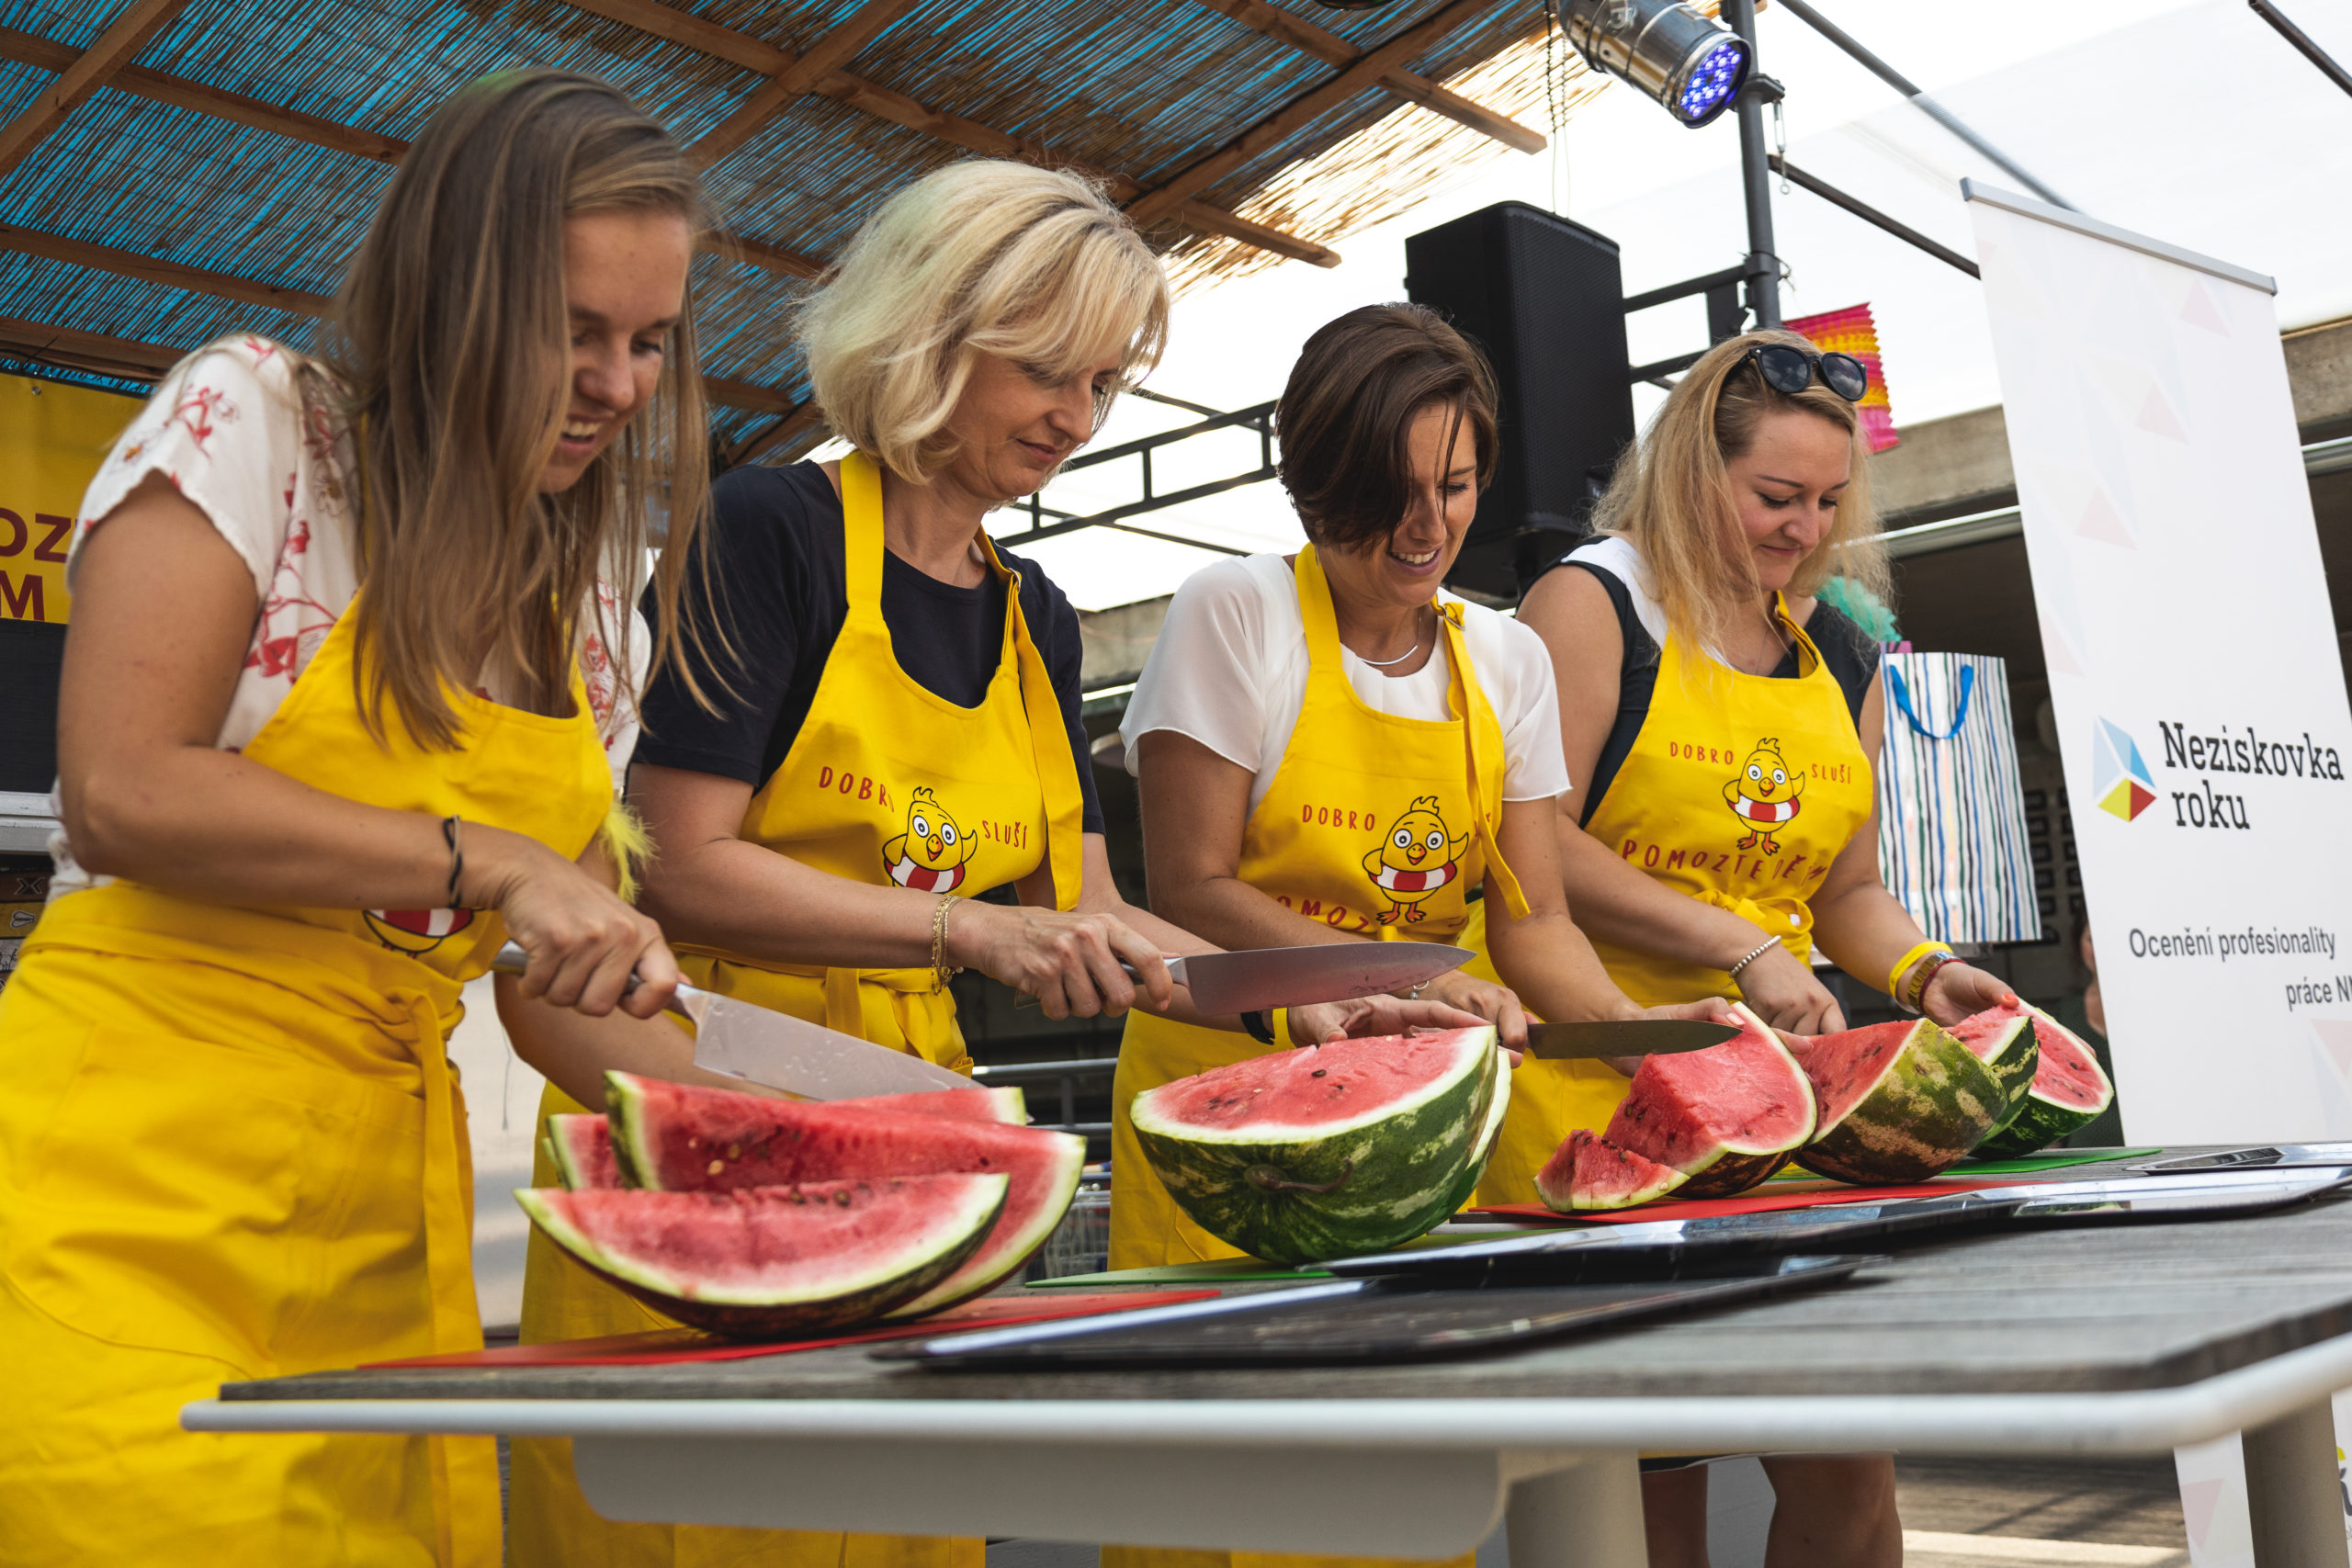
(1791, 370)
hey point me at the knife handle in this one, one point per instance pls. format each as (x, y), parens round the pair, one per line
(1175, 973)
(512, 960)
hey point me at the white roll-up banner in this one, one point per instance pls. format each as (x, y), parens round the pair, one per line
(2194, 671)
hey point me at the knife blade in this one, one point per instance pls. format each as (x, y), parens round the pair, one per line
(761, 1045)
(1623, 1037)
(1253, 979)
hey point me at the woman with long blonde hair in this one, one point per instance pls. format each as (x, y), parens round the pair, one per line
(344, 668)
(1719, 723)
(897, 729)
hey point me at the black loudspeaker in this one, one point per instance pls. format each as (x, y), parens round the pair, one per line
(1546, 299)
(32, 652)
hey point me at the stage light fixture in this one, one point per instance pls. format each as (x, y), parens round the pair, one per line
(1692, 65)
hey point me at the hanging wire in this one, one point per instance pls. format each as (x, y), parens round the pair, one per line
(1781, 139)
(1554, 65)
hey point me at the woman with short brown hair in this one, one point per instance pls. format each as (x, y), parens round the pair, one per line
(1331, 749)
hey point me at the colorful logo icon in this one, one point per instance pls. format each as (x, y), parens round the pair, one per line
(2119, 776)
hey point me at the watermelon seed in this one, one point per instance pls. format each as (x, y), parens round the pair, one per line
(1318, 1072)
(715, 1167)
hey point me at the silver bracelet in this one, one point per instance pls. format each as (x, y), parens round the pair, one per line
(1766, 945)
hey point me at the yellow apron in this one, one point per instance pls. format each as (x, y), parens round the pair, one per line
(1741, 790)
(1374, 824)
(232, 1147)
(887, 783)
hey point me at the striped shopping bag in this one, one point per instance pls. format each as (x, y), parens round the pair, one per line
(1952, 842)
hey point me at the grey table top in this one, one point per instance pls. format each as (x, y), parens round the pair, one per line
(2076, 1309)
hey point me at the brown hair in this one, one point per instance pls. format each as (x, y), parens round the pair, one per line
(1672, 498)
(1346, 417)
(450, 338)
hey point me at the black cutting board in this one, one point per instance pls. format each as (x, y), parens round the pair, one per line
(1353, 1322)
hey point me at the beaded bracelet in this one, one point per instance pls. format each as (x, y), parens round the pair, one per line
(1759, 951)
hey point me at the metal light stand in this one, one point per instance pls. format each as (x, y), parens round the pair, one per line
(1763, 264)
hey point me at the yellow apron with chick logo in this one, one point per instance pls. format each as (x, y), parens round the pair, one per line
(1375, 824)
(887, 783)
(1740, 791)
(232, 1147)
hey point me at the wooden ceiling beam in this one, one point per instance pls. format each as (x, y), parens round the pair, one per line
(871, 97)
(221, 285)
(1305, 110)
(1286, 26)
(122, 356)
(124, 38)
(836, 48)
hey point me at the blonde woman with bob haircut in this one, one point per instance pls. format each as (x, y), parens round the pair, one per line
(1721, 723)
(899, 730)
(337, 699)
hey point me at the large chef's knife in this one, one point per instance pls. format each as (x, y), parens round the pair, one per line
(764, 1046)
(1625, 1037)
(1255, 978)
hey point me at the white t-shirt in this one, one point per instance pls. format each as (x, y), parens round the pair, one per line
(231, 430)
(1229, 670)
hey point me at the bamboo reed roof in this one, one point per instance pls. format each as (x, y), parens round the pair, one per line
(173, 170)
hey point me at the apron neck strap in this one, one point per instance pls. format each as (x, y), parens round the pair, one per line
(1322, 621)
(862, 533)
(1049, 739)
(1482, 750)
(1808, 655)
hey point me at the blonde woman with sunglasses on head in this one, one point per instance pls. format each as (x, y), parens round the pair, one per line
(1721, 723)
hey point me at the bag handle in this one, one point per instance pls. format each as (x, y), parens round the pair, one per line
(1902, 700)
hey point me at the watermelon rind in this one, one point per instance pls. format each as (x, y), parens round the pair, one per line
(1929, 1106)
(2034, 1122)
(661, 1132)
(581, 1148)
(1292, 1194)
(1498, 1106)
(951, 1218)
(2003, 1039)
(1735, 1174)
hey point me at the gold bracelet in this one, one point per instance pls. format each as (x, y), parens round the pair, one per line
(1914, 995)
(1901, 964)
(940, 972)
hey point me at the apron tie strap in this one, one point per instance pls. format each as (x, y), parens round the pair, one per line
(1483, 732)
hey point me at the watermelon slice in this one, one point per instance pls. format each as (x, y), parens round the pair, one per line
(681, 1137)
(2003, 1039)
(1726, 1117)
(1346, 1148)
(1590, 1172)
(1900, 1102)
(2069, 1091)
(581, 1148)
(776, 1260)
(1499, 1107)
(1007, 1105)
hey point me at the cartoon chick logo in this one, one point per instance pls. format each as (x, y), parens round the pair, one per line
(1764, 795)
(929, 856)
(1415, 860)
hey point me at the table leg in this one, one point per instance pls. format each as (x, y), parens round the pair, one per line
(1589, 1516)
(2291, 1490)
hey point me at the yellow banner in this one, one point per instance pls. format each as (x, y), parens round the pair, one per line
(53, 439)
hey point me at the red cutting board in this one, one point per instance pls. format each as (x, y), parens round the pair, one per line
(1807, 1195)
(663, 1345)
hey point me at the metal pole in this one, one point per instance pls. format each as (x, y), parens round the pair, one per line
(2302, 42)
(1763, 266)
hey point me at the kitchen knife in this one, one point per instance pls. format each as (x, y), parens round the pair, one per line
(1258, 978)
(2273, 1157)
(1625, 1037)
(764, 1046)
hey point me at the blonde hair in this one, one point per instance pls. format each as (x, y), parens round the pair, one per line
(1672, 500)
(449, 343)
(984, 256)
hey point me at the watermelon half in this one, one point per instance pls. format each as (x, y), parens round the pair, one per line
(1590, 1172)
(776, 1260)
(2068, 1092)
(1483, 1150)
(2003, 1039)
(1899, 1103)
(581, 1149)
(683, 1138)
(1345, 1148)
(1725, 1117)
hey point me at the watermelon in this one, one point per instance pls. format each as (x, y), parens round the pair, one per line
(581, 1149)
(1007, 1105)
(681, 1137)
(2069, 1091)
(1899, 1101)
(776, 1261)
(2003, 1039)
(1725, 1117)
(1329, 1150)
(1590, 1172)
(1483, 1149)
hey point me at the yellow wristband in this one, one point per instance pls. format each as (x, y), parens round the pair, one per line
(1278, 1021)
(1903, 965)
